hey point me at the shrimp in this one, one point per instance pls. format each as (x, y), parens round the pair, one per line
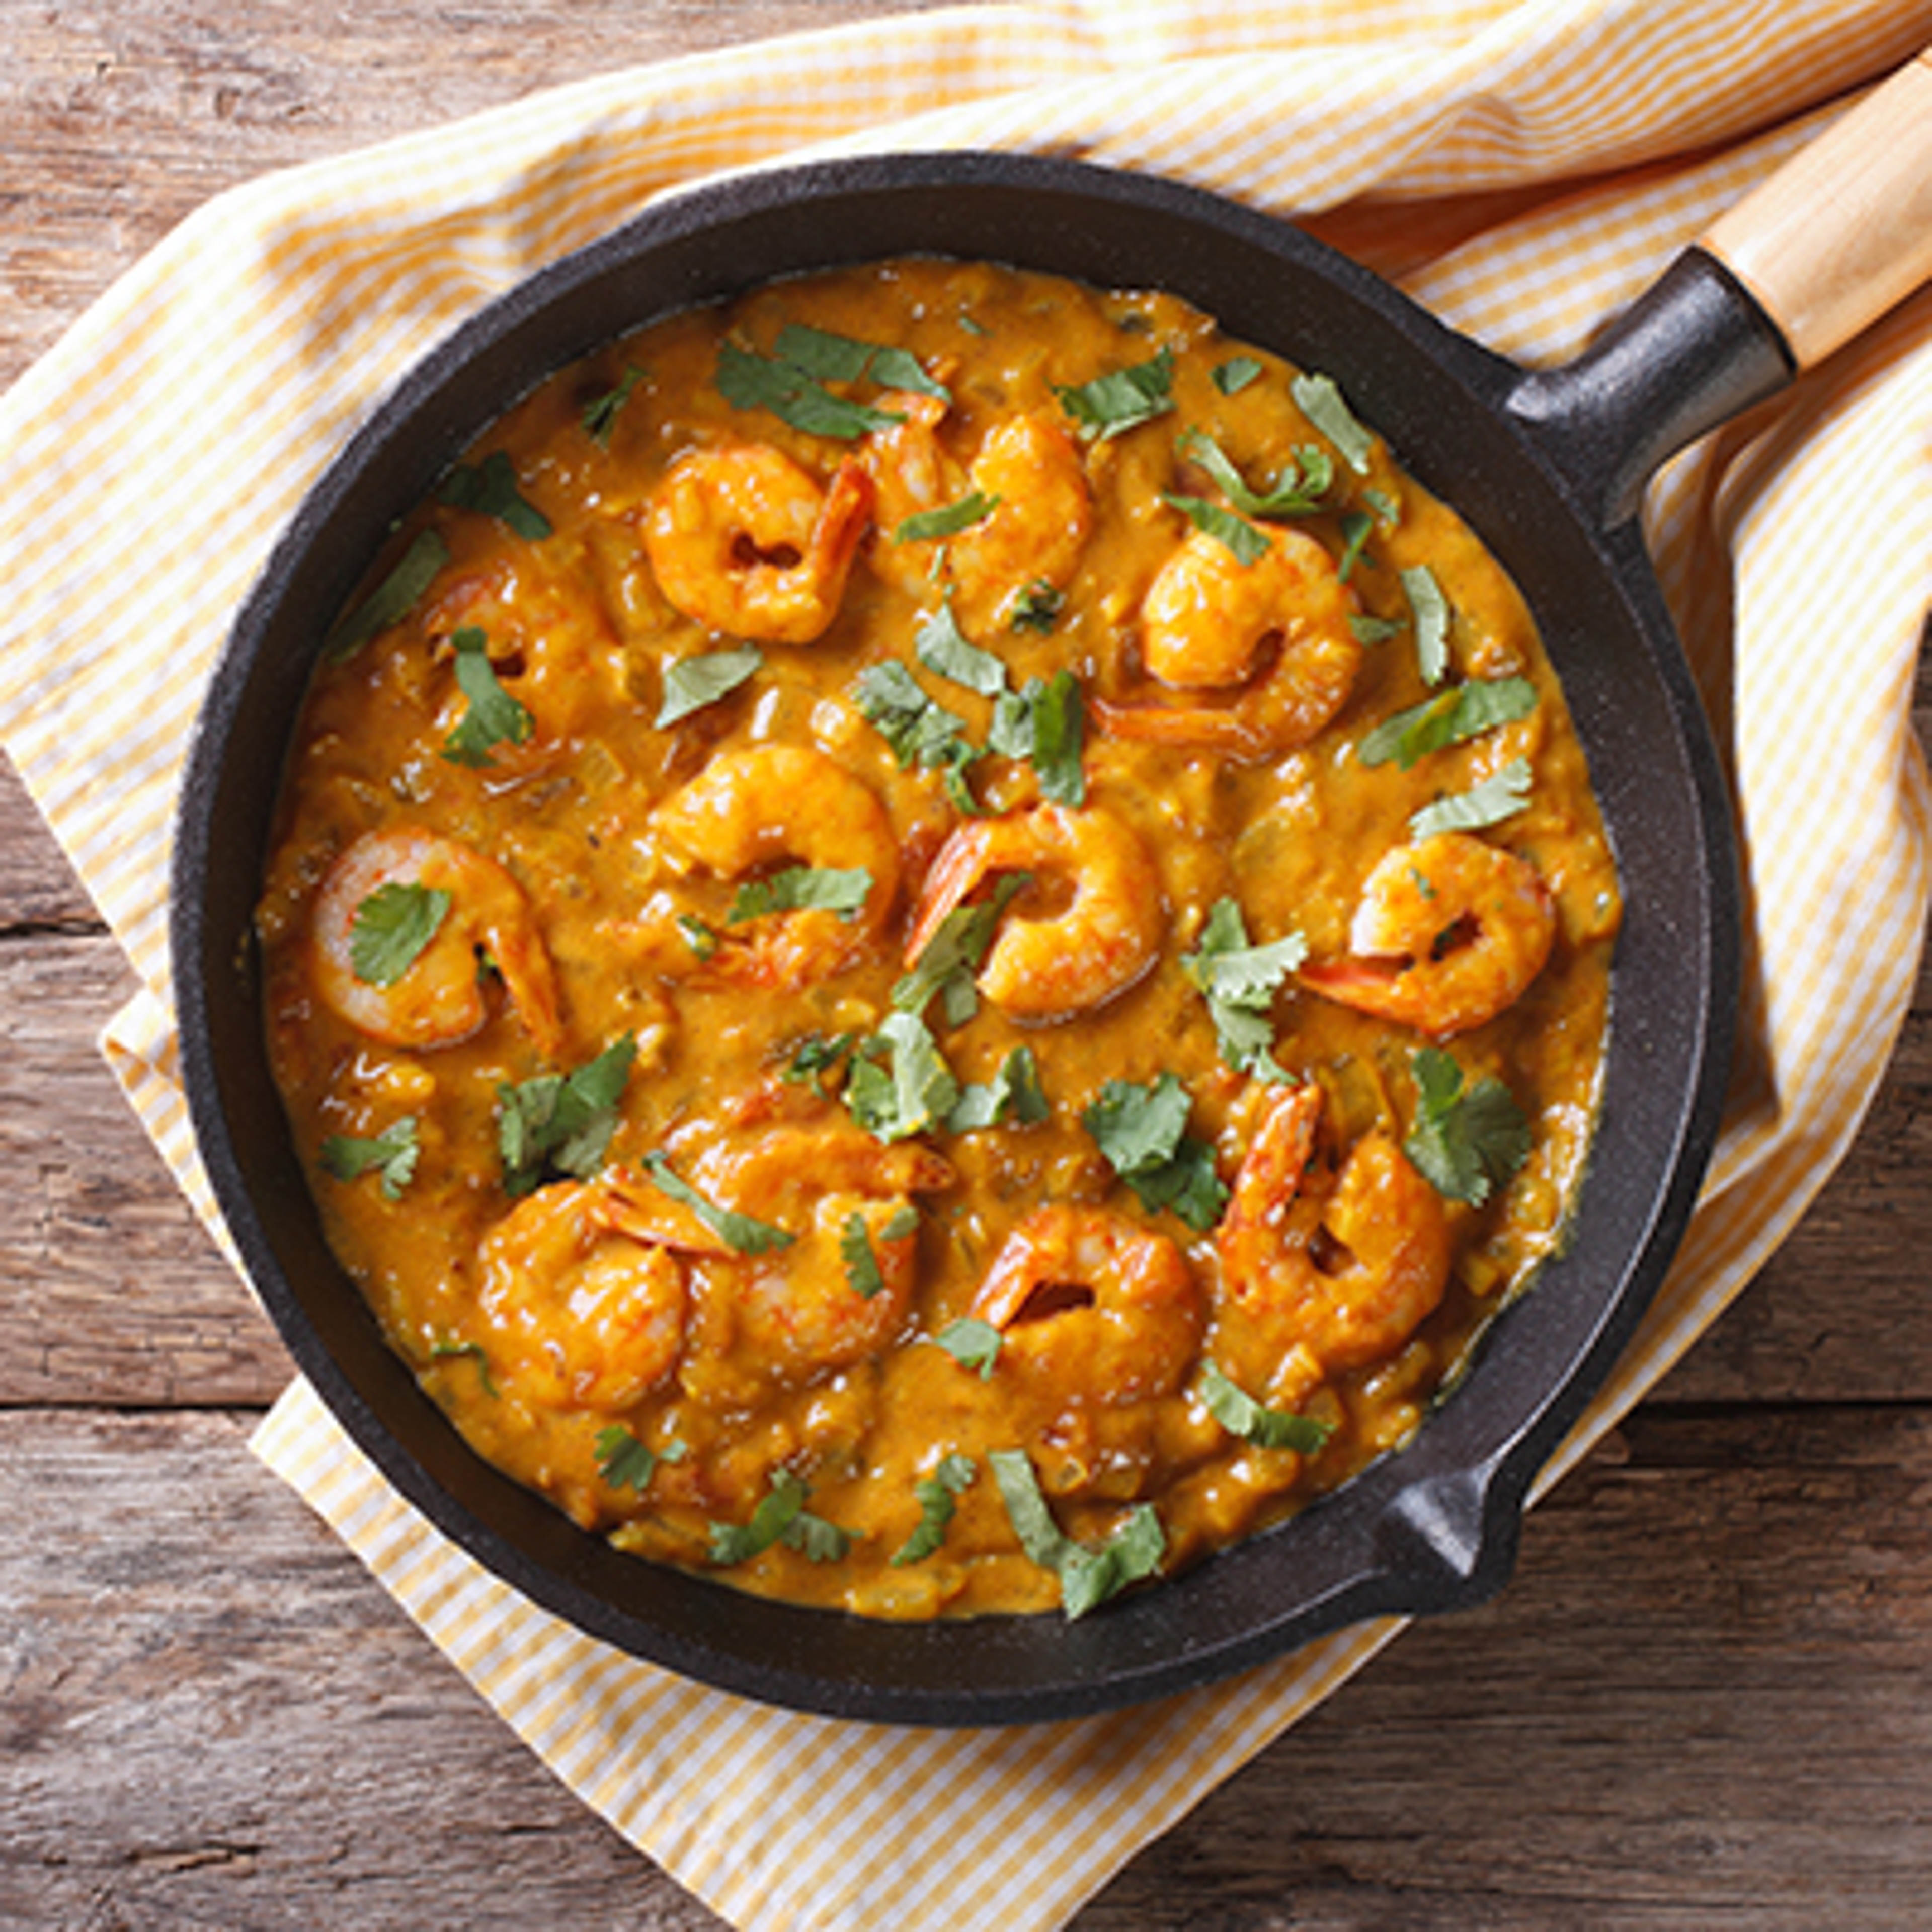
(1347, 1271)
(1099, 1306)
(1449, 932)
(1098, 894)
(911, 477)
(744, 541)
(1029, 470)
(810, 1304)
(438, 997)
(749, 810)
(583, 1302)
(1266, 646)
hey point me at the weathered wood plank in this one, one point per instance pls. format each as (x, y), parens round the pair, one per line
(1687, 1711)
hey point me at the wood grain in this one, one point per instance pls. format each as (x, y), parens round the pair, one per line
(1700, 1704)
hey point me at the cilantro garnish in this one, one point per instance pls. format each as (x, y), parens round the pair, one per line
(1013, 1094)
(855, 1248)
(741, 1233)
(781, 1517)
(900, 1085)
(1323, 404)
(920, 730)
(1142, 1132)
(1462, 712)
(600, 414)
(561, 1123)
(1240, 1414)
(392, 928)
(1037, 606)
(1233, 376)
(938, 1496)
(972, 1343)
(1501, 795)
(393, 1153)
(1431, 610)
(941, 646)
(1088, 1576)
(790, 382)
(624, 1462)
(1239, 982)
(803, 889)
(1111, 404)
(445, 1350)
(693, 682)
(958, 945)
(389, 603)
(699, 937)
(1235, 534)
(948, 520)
(1296, 492)
(490, 488)
(827, 357)
(816, 1053)
(1464, 1143)
(1044, 722)
(494, 717)
(1357, 527)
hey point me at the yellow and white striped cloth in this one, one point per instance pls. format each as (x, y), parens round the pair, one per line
(1525, 168)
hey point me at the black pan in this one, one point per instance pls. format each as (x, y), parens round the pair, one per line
(1547, 469)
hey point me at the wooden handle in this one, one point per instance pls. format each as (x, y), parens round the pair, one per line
(1843, 230)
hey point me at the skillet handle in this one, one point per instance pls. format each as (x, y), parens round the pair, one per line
(1843, 230)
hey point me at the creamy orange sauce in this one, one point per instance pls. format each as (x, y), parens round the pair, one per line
(801, 1271)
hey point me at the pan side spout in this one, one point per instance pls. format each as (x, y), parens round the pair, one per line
(1693, 352)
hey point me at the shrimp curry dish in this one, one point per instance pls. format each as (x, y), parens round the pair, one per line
(935, 944)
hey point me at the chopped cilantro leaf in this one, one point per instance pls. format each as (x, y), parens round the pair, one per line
(561, 1123)
(1462, 712)
(781, 1517)
(624, 1462)
(600, 414)
(1037, 606)
(1142, 1132)
(747, 381)
(803, 889)
(445, 1349)
(1240, 1415)
(958, 945)
(941, 646)
(855, 1247)
(390, 600)
(1468, 1143)
(1088, 1575)
(741, 1233)
(1239, 982)
(1235, 534)
(1233, 376)
(1044, 722)
(1121, 400)
(827, 357)
(1296, 492)
(938, 1496)
(920, 730)
(1357, 527)
(693, 682)
(972, 1343)
(948, 520)
(1013, 1093)
(699, 937)
(818, 1053)
(1501, 796)
(1431, 610)
(900, 1085)
(392, 928)
(1324, 405)
(393, 1153)
(494, 717)
(490, 489)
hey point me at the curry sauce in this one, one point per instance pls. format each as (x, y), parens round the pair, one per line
(935, 944)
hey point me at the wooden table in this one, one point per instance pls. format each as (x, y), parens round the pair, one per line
(1702, 1704)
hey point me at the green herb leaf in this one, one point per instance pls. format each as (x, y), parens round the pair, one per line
(803, 889)
(781, 1517)
(1501, 796)
(600, 416)
(392, 599)
(741, 1233)
(855, 1250)
(624, 1462)
(1297, 491)
(920, 730)
(1110, 405)
(941, 646)
(1241, 1415)
(392, 928)
(1233, 376)
(1044, 722)
(817, 1054)
(827, 357)
(490, 489)
(1239, 982)
(1037, 607)
(900, 1085)
(1324, 405)
(972, 1343)
(393, 1153)
(1357, 527)
(948, 520)
(938, 1496)
(1452, 717)
(1013, 1093)
(1238, 536)
(693, 682)
(444, 1349)
(1466, 1145)
(1372, 630)
(699, 937)
(1088, 1576)
(751, 381)
(494, 717)
(1142, 1133)
(1431, 609)
(953, 954)
(562, 1124)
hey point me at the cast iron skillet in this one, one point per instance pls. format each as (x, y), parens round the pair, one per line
(1546, 467)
